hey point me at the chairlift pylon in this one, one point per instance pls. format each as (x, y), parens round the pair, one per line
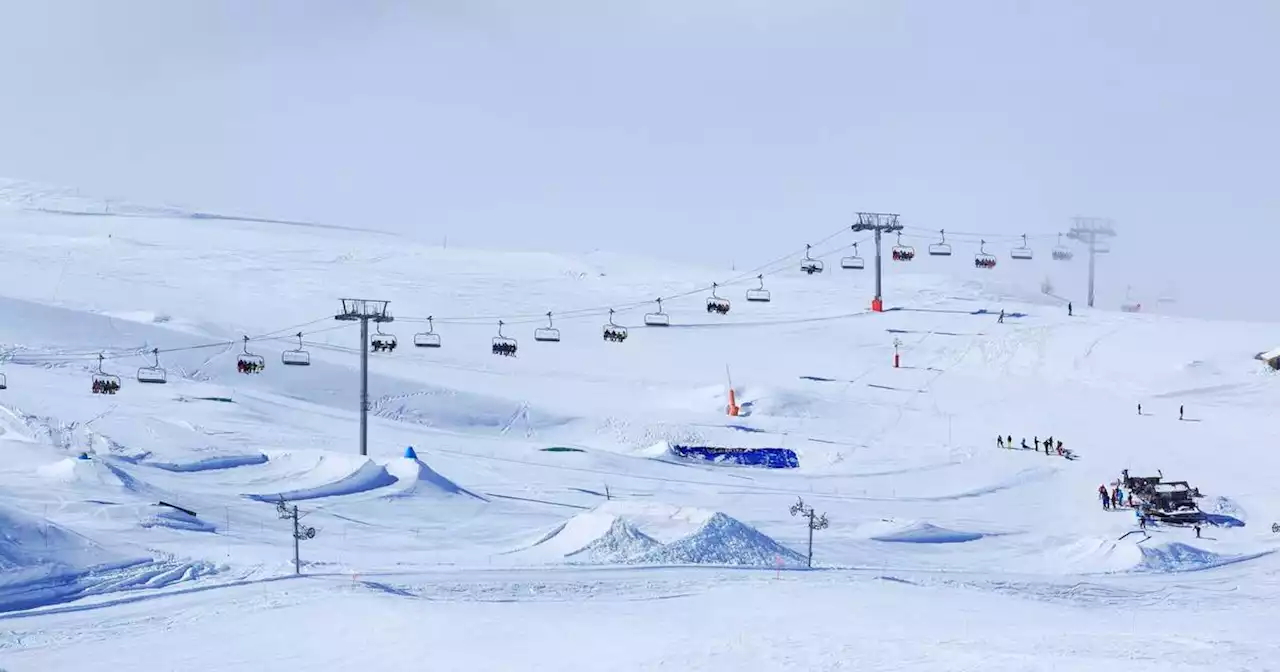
(715, 304)
(103, 382)
(940, 248)
(153, 374)
(855, 262)
(613, 332)
(982, 259)
(1061, 253)
(296, 357)
(902, 252)
(1022, 253)
(760, 295)
(810, 265)
(547, 334)
(658, 319)
(502, 345)
(248, 362)
(381, 342)
(428, 338)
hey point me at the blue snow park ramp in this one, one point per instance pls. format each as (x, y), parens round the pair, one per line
(772, 458)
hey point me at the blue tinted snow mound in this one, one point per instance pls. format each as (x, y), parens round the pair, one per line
(1180, 557)
(368, 476)
(926, 533)
(212, 463)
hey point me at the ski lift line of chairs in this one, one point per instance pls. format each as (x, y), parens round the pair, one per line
(613, 332)
(1023, 252)
(760, 295)
(381, 342)
(502, 345)
(103, 382)
(715, 304)
(982, 259)
(1061, 253)
(153, 374)
(854, 262)
(547, 334)
(248, 362)
(810, 265)
(903, 252)
(428, 338)
(297, 357)
(941, 248)
(658, 319)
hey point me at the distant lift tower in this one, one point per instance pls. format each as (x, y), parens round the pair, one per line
(364, 311)
(880, 222)
(1094, 232)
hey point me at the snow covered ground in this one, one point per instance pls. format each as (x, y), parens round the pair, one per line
(490, 552)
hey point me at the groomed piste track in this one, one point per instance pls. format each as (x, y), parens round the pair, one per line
(591, 473)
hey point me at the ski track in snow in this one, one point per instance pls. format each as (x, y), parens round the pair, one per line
(610, 537)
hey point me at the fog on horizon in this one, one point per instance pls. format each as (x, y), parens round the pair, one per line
(715, 132)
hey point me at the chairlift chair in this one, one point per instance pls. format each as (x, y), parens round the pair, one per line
(381, 342)
(902, 252)
(502, 345)
(103, 382)
(248, 362)
(153, 374)
(940, 248)
(854, 262)
(716, 304)
(429, 338)
(810, 265)
(613, 332)
(1023, 252)
(982, 259)
(4, 384)
(298, 357)
(658, 319)
(547, 334)
(1061, 253)
(759, 295)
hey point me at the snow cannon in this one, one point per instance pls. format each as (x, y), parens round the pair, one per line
(410, 454)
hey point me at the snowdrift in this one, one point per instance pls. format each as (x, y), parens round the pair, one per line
(397, 478)
(1111, 556)
(619, 532)
(415, 477)
(95, 471)
(917, 532)
(177, 520)
(42, 563)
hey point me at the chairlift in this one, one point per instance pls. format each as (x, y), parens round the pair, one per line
(429, 338)
(1061, 253)
(248, 362)
(613, 332)
(658, 319)
(298, 357)
(760, 295)
(153, 374)
(103, 382)
(853, 263)
(547, 334)
(940, 248)
(716, 304)
(810, 265)
(903, 252)
(982, 259)
(381, 342)
(1102, 247)
(502, 345)
(1022, 252)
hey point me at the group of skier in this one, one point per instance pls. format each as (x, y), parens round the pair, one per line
(1048, 443)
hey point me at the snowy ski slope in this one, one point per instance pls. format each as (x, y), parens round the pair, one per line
(489, 552)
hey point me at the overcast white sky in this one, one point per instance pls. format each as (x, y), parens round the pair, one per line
(709, 130)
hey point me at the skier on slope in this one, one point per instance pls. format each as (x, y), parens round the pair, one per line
(1024, 444)
(1000, 320)
(1000, 441)
(1106, 500)
(1068, 309)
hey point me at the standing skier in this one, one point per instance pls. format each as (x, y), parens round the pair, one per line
(1106, 499)
(1180, 410)
(1000, 320)
(1000, 441)
(1068, 309)
(1139, 409)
